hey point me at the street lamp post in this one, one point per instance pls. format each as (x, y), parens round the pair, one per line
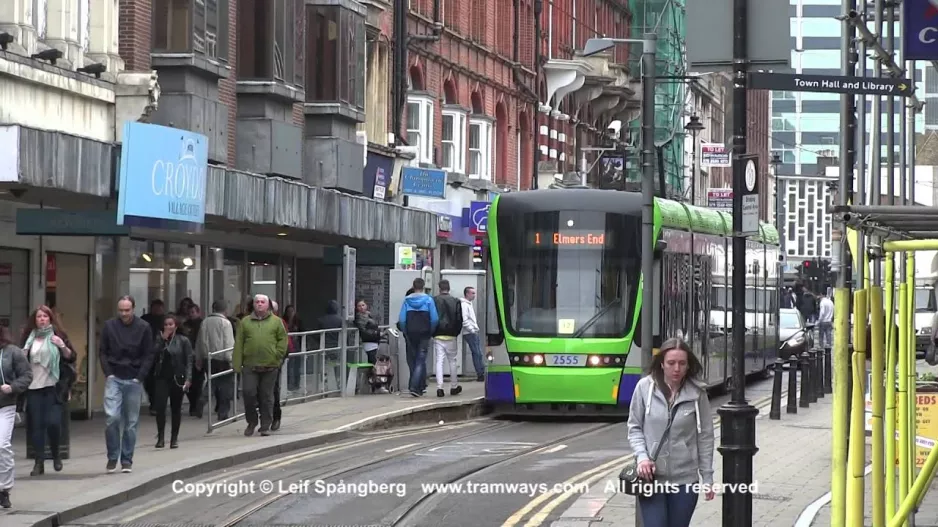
(649, 44)
(694, 126)
(649, 50)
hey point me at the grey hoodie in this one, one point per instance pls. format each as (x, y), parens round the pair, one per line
(15, 371)
(686, 457)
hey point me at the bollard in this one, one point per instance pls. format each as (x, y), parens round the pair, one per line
(828, 371)
(776, 412)
(813, 375)
(805, 381)
(819, 380)
(792, 384)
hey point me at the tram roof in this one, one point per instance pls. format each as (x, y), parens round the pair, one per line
(673, 214)
(892, 222)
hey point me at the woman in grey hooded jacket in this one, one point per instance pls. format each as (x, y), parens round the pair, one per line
(679, 462)
(15, 377)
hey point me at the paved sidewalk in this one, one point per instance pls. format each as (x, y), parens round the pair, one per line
(84, 481)
(790, 472)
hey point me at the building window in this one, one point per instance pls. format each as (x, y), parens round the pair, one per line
(454, 141)
(40, 8)
(335, 56)
(191, 26)
(270, 40)
(420, 126)
(480, 148)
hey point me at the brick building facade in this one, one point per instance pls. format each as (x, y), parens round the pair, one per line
(475, 85)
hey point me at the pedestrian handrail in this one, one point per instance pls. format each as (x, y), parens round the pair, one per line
(312, 371)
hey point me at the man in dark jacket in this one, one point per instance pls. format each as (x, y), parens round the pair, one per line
(126, 351)
(417, 321)
(445, 345)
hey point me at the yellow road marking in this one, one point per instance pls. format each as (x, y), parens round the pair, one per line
(590, 476)
(521, 513)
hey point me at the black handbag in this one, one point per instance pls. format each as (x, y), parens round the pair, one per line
(629, 481)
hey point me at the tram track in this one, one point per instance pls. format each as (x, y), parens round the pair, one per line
(411, 511)
(254, 507)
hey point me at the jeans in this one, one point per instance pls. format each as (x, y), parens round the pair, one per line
(257, 388)
(122, 406)
(417, 348)
(168, 389)
(475, 346)
(222, 388)
(45, 420)
(669, 509)
(7, 459)
(445, 351)
(825, 334)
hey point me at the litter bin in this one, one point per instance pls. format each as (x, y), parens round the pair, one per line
(63, 437)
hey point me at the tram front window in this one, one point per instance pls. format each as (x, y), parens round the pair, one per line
(571, 274)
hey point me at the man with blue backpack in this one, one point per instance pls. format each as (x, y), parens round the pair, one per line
(418, 322)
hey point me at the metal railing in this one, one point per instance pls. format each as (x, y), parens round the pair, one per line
(312, 371)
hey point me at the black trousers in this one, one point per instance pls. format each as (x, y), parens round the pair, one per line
(167, 389)
(195, 392)
(45, 420)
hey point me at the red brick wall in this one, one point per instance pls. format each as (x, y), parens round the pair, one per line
(134, 36)
(226, 87)
(134, 17)
(473, 66)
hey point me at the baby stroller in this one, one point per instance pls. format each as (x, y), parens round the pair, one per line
(382, 371)
(382, 375)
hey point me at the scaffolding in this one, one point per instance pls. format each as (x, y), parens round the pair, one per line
(665, 18)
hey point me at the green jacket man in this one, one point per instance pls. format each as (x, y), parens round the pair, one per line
(261, 342)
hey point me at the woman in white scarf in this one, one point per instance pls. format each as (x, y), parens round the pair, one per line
(49, 354)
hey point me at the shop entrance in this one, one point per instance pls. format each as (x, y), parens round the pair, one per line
(68, 293)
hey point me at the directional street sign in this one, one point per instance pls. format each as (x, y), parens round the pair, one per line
(831, 84)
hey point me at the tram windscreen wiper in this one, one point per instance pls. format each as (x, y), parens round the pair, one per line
(595, 318)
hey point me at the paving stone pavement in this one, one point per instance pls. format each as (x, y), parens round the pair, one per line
(85, 481)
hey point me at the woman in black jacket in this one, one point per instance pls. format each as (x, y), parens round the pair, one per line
(172, 373)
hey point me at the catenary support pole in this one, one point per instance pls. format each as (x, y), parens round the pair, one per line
(649, 52)
(842, 300)
(738, 417)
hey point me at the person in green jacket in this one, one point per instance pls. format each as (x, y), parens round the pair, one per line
(260, 347)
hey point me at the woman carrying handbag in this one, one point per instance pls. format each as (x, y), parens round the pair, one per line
(671, 432)
(172, 374)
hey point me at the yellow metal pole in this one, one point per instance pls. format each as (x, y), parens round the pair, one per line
(889, 378)
(841, 368)
(895, 246)
(903, 413)
(857, 454)
(913, 377)
(876, 392)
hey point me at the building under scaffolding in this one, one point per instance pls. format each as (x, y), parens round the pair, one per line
(666, 18)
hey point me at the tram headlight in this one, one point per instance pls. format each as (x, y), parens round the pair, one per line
(594, 360)
(538, 359)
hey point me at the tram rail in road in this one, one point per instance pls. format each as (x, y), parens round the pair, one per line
(588, 478)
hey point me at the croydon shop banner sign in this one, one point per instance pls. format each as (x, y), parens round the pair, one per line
(162, 178)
